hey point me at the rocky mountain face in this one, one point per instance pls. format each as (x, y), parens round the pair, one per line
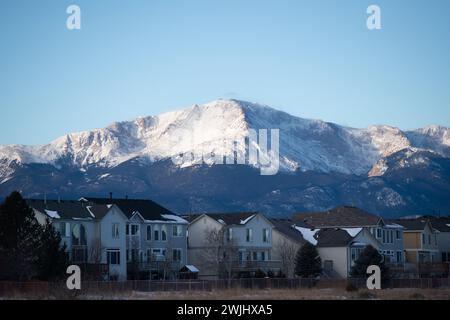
(381, 168)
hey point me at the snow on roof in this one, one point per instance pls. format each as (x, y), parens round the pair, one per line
(191, 268)
(448, 224)
(221, 221)
(52, 214)
(90, 212)
(171, 219)
(308, 234)
(352, 231)
(359, 244)
(247, 220)
(176, 218)
(394, 226)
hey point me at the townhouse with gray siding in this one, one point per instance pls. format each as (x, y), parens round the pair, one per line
(156, 238)
(93, 233)
(230, 245)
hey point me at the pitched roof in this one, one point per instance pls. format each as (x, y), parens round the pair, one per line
(442, 224)
(344, 216)
(286, 227)
(64, 209)
(412, 224)
(148, 209)
(236, 218)
(333, 238)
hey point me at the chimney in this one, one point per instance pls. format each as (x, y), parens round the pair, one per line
(110, 195)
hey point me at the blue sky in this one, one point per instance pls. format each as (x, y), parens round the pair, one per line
(311, 58)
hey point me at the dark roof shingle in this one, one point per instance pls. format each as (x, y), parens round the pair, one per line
(344, 216)
(148, 209)
(333, 238)
(68, 209)
(232, 218)
(286, 227)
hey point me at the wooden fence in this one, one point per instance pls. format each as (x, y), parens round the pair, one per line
(47, 288)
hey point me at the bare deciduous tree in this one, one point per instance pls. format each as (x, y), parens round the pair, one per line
(287, 250)
(220, 254)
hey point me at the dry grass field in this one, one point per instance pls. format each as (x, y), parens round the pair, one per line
(243, 294)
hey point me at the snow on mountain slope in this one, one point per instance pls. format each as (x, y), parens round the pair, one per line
(436, 138)
(211, 128)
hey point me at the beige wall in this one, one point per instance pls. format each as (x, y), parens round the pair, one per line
(411, 257)
(412, 240)
(339, 256)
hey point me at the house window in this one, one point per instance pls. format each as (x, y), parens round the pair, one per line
(429, 239)
(127, 230)
(355, 253)
(156, 233)
(230, 234)
(79, 235)
(265, 235)
(134, 255)
(263, 256)
(176, 254)
(241, 256)
(445, 256)
(423, 239)
(398, 234)
(149, 233)
(134, 229)
(164, 233)
(390, 236)
(177, 231)
(113, 257)
(249, 235)
(378, 233)
(64, 229)
(115, 231)
(255, 255)
(399, 257)
(435, 240)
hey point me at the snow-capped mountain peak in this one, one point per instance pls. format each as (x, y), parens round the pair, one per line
(213, 128)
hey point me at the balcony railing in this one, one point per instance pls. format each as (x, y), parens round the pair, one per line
(253, 265)
(155, 265)
(79, 254)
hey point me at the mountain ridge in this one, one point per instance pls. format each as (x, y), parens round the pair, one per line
(381, 169)
(304, 147)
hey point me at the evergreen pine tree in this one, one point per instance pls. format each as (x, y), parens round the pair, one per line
(52, 257)
(369, 256)
(307, 261)
(19, 239)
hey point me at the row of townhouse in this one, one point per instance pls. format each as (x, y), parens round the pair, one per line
(243, 243)
(139, 238)
(130, 238)
(237, 244)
